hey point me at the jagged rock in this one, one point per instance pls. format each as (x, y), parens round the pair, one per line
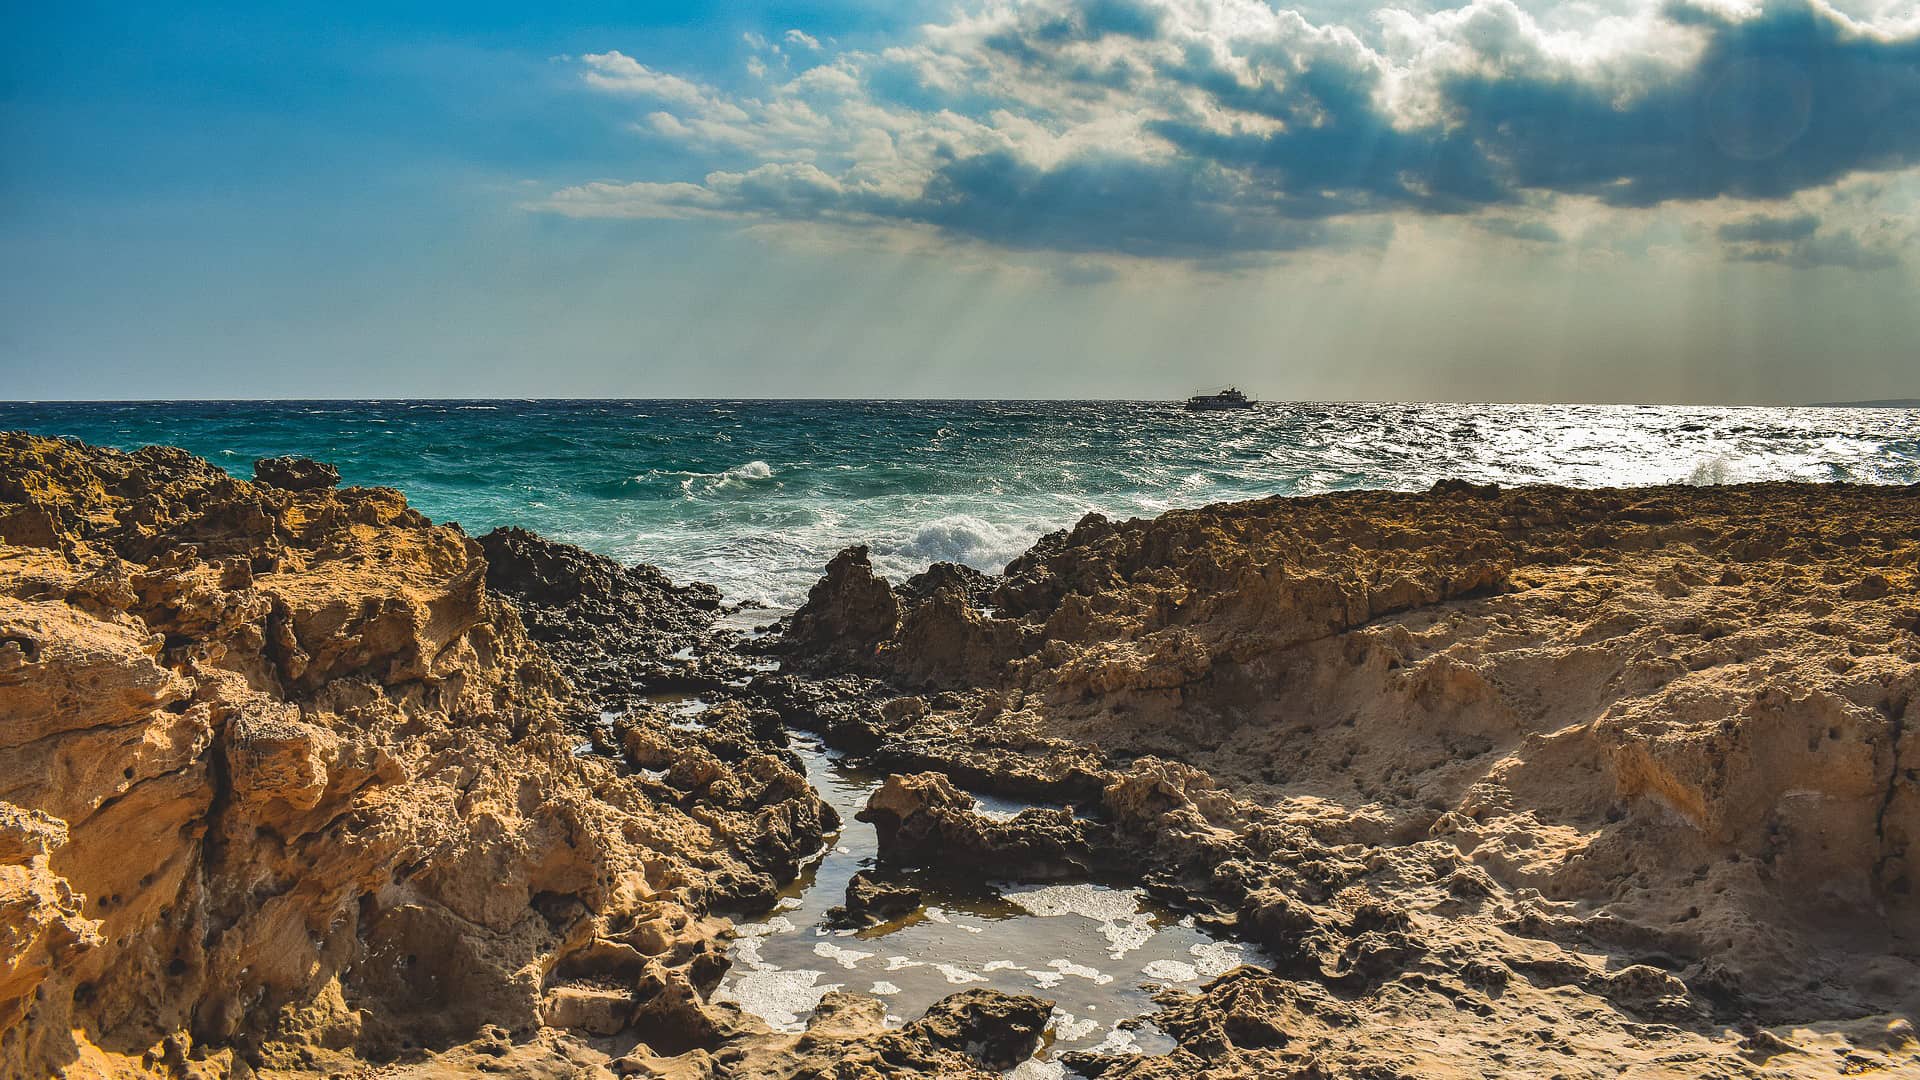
(923, 820)
(848, 615)
(285, 788)
(41, 925)
(998, 1030)
(1638, 761)
(295, 473)
(612, 628)
(973, 1035)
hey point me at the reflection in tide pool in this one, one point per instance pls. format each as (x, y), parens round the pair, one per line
(1099, 952)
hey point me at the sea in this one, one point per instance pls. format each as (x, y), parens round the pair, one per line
(756, 496)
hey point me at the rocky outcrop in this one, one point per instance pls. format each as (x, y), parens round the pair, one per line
(847, 616)
(1519, 783)
(615, 630)
(924, 821)
(295, 473)
(285, 787)
(873, 899)
(1637, 765)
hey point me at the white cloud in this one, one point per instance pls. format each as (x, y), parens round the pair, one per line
(1029, 122)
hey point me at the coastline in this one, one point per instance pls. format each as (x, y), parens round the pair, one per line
(297, 781)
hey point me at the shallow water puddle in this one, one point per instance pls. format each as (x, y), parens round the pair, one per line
(684, 709)
(1097, 951)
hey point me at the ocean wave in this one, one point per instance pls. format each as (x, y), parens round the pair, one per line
(698, 494)
(1712, 471)
(728, 481)
(960, 538)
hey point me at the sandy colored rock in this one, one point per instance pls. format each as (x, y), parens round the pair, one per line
(1501, 783)
(284, 788)
(1521, 783)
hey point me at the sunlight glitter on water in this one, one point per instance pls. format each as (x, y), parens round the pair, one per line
(757, 496)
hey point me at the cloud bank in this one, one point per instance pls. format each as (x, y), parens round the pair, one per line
(1216, 130)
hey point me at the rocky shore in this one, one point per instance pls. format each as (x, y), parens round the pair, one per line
(1536, 782)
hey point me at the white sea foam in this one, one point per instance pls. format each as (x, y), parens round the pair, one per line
(957, 538)
(1173, 971)
(1122, 923)
(846, 958)
(1069, 1028)
(1717, 469)
(1216, 958)
(782, 998)
(1080, 971)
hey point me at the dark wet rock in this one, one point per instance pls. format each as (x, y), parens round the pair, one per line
(924, 821)
(974, 1035)
(613, 630)
(295, 473)
(848, 614)
(958, 578)
(853, 712)
(998, 1030)
(871, 899)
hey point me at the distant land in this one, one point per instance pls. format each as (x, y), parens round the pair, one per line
(1889, 403)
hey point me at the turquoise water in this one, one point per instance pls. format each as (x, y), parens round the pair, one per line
(755, 496)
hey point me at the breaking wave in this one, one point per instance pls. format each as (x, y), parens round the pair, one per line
(756, 496)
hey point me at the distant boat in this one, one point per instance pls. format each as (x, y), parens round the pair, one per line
(1230, 398)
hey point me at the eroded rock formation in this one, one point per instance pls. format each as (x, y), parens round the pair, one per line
(284, 786)
(1519, 783)
(1633, 772)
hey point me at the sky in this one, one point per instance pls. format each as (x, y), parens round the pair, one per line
(1502, 200)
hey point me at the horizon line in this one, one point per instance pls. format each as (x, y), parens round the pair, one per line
(1862, 403)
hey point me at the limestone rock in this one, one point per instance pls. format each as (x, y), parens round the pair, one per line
(285, 788)
(1637, 761)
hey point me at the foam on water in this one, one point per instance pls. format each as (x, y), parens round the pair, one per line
(757, 496)
(1098, 951)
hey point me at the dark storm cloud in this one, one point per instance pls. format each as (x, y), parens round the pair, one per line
(1789, 99)
(1761, 229)
(1538, 232)
(1338, 153)
(1179, 208)
(1271, 134)
(1809, 249)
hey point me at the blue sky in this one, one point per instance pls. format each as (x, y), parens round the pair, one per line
(1607, 200)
